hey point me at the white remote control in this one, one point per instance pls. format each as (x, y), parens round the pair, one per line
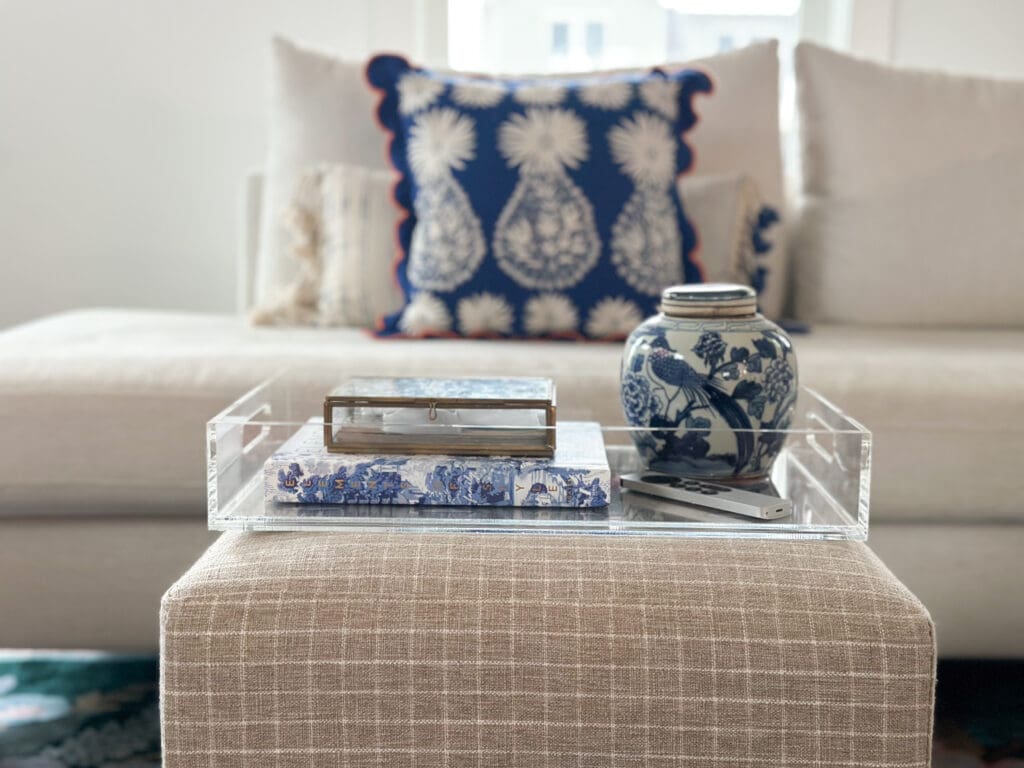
(712, 495)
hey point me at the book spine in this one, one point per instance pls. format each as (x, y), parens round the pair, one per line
(490, 482)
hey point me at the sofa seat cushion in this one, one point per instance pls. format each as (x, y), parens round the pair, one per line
(946, 409)
(104, 410)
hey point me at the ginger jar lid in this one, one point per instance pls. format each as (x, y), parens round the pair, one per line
(709, 300)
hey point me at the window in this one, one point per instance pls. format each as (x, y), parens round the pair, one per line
(595, 39)
(566, 35)
(560, 38)
(510, 36)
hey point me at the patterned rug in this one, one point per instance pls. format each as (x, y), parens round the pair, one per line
(81, 709)
(94, 710)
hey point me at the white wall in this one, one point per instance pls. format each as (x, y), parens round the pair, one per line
(960, 36)
(974, 36)
(126, 128)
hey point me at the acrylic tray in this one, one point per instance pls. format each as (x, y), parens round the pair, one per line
(824, 468)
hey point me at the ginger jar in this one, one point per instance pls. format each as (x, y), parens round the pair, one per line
(710, 384)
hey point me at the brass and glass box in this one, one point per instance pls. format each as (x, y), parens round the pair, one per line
(509, 416)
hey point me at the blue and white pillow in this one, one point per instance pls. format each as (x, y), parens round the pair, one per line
(543, 208)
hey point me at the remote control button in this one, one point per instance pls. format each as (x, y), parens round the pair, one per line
(709, 491)
(659, 479)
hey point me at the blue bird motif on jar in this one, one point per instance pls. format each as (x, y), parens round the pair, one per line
(709, 384)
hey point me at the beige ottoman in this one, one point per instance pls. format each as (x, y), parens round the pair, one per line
(423, 650)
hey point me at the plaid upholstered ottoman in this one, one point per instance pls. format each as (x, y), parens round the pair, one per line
(425, 650)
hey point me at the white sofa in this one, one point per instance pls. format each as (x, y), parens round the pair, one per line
(102, 476)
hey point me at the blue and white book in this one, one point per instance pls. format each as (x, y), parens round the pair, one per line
(302, 471)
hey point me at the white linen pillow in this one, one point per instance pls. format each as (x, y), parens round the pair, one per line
(298, 301)
(727, 212)
(341, 243)
(358, 222)
(322, 111)
(913, 189)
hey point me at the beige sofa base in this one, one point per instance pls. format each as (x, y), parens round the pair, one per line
(969, 577)
(91, 582)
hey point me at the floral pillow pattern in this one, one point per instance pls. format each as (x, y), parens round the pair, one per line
(536, 208)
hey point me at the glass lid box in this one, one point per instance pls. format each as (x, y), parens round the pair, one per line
(511, 416)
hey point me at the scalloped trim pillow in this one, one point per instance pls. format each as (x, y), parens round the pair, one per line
(536, 208)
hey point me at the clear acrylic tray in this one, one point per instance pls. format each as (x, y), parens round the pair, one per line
(824, 468)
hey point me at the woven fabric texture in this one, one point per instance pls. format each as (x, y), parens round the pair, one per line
(495, 650)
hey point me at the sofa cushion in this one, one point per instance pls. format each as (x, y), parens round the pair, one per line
(733, 226)
(106, 409)
(314, 98)
(914, 183)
